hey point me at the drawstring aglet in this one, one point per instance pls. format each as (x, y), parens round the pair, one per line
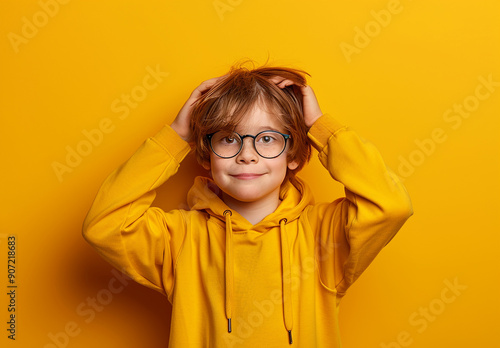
(290, 336)
(229, 325)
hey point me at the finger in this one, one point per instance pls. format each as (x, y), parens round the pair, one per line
(306, 90)
(209, 83)
(205, 86)
(281, 82)
(286, 83)
(276, 79)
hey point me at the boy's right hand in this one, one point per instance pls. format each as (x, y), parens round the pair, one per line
(181, 124)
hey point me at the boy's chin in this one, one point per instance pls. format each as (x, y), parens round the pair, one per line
(243, 196)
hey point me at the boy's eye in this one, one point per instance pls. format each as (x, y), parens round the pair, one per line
(226, 138)
(266, 138)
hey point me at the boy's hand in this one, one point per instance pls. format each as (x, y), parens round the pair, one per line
(311, 108)
(181, 123)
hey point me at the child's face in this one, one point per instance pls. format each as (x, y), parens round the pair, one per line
(248, 177)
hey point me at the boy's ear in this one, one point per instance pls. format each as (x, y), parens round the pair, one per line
(293, 165)
(206, 165)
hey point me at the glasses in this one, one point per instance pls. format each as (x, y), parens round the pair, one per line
(268, 144)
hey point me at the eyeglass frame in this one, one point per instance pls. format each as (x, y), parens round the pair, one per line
(242, 137)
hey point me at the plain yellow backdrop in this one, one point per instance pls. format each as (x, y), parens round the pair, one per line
(84, 83)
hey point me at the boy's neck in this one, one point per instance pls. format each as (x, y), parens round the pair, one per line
(254, 212)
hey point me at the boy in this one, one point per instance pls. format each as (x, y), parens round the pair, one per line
(254, 262)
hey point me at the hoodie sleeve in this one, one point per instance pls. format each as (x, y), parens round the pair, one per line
(141, 241)
(352, 230)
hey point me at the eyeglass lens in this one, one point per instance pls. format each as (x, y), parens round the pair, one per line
(267, 144)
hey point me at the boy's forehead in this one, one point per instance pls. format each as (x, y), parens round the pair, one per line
(258, 119)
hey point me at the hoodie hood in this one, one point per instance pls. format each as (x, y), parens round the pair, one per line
(205, 195)
(294, 196)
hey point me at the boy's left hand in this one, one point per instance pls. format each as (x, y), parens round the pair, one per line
(311, 108)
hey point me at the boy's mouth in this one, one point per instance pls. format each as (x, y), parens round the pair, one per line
(246, 176)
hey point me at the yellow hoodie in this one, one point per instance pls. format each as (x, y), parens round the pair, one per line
(233, 284)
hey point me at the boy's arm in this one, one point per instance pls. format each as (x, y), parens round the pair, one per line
(140, 240)
(376, 205)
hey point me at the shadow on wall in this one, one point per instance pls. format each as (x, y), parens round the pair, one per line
(104, 293)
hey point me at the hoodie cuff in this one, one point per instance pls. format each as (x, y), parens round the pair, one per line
(323, 129)
(171, 142)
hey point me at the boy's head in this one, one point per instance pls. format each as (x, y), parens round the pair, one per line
(237, 95)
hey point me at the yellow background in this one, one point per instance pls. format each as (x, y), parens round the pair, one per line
(62, 76)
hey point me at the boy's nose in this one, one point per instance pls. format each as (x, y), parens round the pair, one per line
(247, 153)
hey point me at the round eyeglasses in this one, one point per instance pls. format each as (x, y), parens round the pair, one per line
(268, 144)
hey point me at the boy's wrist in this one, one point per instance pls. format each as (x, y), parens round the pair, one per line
(322, 129)
(178, 130)
(313, 120)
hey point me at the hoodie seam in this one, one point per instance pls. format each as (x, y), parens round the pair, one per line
(134, 274)
(323, 155)
(177, 257)
(307, 225)
(348, 235)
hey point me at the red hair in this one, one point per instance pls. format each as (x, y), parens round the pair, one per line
(234, 95)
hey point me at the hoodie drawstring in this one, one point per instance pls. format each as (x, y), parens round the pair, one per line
(229, 268)
(286, 274)
(287, 281)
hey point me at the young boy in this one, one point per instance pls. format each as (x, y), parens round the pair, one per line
(254, 262)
